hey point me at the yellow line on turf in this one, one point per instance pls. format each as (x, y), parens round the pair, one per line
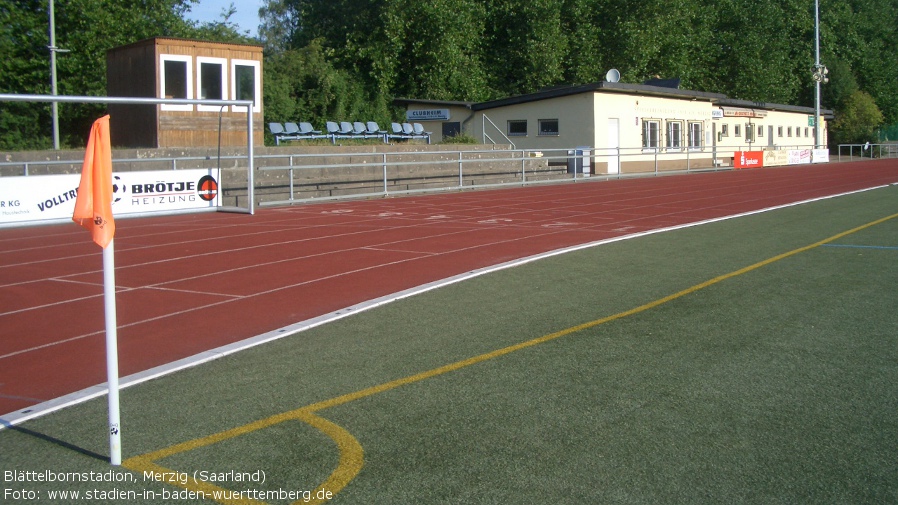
(351, 452)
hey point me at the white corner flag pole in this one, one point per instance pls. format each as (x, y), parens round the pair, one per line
(115, 432)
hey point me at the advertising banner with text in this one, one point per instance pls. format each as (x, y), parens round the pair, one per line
(776, 158)
(39, 198)
(820, 156)
(748, 159)
(799, 156)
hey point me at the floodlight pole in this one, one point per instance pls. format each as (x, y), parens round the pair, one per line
(53, 50)
(818, 76)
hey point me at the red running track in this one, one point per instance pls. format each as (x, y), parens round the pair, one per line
(191, 283)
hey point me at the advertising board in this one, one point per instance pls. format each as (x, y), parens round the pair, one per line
(748, 159)
(38, 198)
(799, 156)
(820, 156)
(775, 158)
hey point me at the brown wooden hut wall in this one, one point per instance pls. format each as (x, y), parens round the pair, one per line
(132, 125)
(166, 128)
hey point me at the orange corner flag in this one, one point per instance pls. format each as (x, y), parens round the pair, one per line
(93, 206)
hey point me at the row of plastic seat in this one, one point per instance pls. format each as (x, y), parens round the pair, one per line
(347, 130)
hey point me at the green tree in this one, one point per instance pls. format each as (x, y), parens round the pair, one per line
(525, 45)
(857, 120)
(24, 68)
(278, 24)
(590, 42)
(842, 84)
(335, 59)
(302, 85)
(861, 35)
(763, 49)
(87, 28)
(432, 50)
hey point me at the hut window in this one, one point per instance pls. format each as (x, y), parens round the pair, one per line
(175, 79)
(246, 83)
(212, 83)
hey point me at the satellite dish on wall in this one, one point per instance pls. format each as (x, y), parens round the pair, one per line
(613, 75)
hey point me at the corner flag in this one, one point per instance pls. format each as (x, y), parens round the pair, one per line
(93, 210)
(93, 206)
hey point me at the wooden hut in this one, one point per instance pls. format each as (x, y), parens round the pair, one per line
(164, 67)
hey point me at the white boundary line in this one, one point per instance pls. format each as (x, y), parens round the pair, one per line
(41, 409)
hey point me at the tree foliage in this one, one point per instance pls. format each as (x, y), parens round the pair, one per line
(87, 28)
(347, 59)
(760, 50)
(857, 120)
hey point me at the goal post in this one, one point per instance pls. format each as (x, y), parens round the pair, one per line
(246, 104)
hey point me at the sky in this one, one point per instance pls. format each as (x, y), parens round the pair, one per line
(246, 17)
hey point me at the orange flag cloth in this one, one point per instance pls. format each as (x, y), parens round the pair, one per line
(93, 206)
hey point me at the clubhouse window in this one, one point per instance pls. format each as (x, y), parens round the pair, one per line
(749, 133)
(694, 131)
(548, 127)
(674, 135)
(651, 132)
(517, 128)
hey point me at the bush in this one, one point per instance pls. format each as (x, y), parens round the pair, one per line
(857, 120)
(461, 138)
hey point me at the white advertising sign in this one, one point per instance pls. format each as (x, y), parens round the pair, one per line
(38, 198)
(820, 156)
(799, 156)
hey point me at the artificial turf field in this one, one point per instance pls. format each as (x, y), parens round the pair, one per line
(776, 383)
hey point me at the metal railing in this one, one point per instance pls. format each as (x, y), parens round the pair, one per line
(172, 163)
(289, 178)
(320, 177)
(486, 137)
(869, 151)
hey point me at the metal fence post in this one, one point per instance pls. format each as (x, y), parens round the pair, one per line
(292, 197)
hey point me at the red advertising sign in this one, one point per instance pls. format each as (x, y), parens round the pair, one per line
(748, 159)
